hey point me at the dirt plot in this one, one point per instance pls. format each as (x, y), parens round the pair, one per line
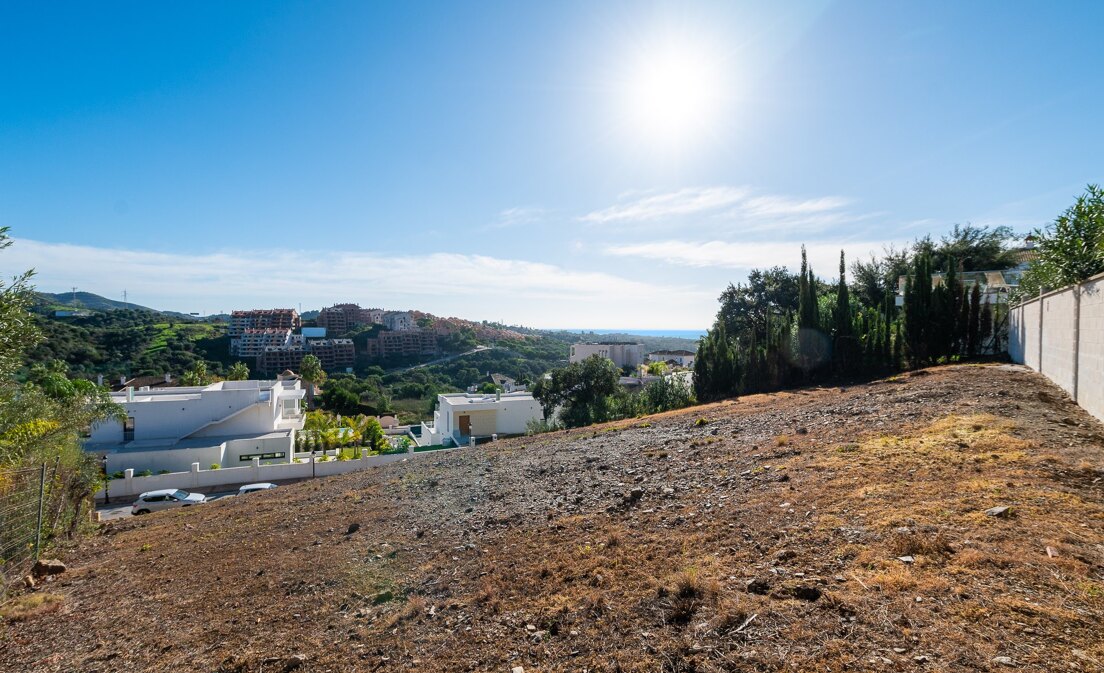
(947, 520)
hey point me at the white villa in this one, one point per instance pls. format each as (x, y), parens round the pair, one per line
(462, 416)
(229, 423)
(622, 354)
(679, 358)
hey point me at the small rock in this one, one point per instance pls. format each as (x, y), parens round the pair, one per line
(29, 581)
(517, 669)
(905, 559)
(44, 567)
(353, 527)
(758, 586)
(1002, 511)
(293, 662)
(1004, 661)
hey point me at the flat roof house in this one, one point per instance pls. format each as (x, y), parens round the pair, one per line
(462, 416)
(228, 422)
(622, 354)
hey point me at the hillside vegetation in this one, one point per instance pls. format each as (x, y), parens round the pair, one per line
(820, 529)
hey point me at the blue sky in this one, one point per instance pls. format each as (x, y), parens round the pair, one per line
(561, 164)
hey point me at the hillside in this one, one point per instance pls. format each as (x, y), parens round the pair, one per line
(822, 529)
(87, 300)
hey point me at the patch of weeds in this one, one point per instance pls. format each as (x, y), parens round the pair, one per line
(31, 605)
(782, 440)
(687, 594)
(916, 544)
(700, 422)
(146, 547)
(850, 447)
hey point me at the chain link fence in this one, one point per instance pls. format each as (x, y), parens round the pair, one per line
(31, 503)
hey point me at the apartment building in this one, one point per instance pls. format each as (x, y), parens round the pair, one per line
(340, 318)
(281, 358)
(623, 354)
(399, 321)
(333, 354)
(251, 342)
(276, 318)
(406, 343)
(228, 422)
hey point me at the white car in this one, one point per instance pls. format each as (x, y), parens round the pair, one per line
(249, 488)
(166, 498)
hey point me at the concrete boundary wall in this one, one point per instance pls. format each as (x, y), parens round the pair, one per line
(205, 480)
(1061, 335)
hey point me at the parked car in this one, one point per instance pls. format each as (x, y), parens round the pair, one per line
(249, 488)
(166, 498)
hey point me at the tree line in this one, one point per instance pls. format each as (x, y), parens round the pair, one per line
(782, 329)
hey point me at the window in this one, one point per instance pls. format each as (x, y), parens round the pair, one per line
(246, 457)
(128, 429)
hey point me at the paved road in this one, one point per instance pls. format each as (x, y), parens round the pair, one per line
(120, 509)
(477, 349)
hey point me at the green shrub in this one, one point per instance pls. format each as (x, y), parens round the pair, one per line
(162, 472)
(215, 466)
(145, 473)
(118, 475)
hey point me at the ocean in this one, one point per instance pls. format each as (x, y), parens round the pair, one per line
(694, 334)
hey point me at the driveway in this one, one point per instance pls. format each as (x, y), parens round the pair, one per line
(120, 508)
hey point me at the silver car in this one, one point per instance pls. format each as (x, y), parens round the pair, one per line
(166, 498)
(249, 488)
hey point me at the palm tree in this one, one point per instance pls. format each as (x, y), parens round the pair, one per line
(311, 372)
(238, 372)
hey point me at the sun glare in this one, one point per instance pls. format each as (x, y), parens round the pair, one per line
(674, 95)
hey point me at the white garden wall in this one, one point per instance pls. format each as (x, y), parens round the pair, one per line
(210, 480)
(1061, 335)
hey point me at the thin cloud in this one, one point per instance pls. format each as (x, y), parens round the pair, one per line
(723, 210)
(823, 256)
(688, 201)
(472, 286)
(517, 216)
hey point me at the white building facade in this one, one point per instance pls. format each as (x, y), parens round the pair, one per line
(229, 423)
(622, 354)
(462, 416)
(679, 358)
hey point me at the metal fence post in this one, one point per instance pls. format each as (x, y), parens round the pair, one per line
(41, 498)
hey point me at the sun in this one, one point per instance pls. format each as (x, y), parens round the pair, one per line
(674, 94)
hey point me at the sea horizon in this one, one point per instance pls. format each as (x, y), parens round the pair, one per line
(674, 333)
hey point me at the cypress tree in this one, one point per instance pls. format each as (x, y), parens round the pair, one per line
(973, 329)
(846, 349)
(985, 329)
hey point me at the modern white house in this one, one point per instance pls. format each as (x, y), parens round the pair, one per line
(679, 358)
(228, 422)
(622, 354)
(462, 416)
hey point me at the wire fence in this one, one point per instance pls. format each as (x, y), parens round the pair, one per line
(31, 503)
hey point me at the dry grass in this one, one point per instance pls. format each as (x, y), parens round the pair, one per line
(500, 557)
(31, 605)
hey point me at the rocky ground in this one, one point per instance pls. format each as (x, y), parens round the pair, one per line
(825, 529)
